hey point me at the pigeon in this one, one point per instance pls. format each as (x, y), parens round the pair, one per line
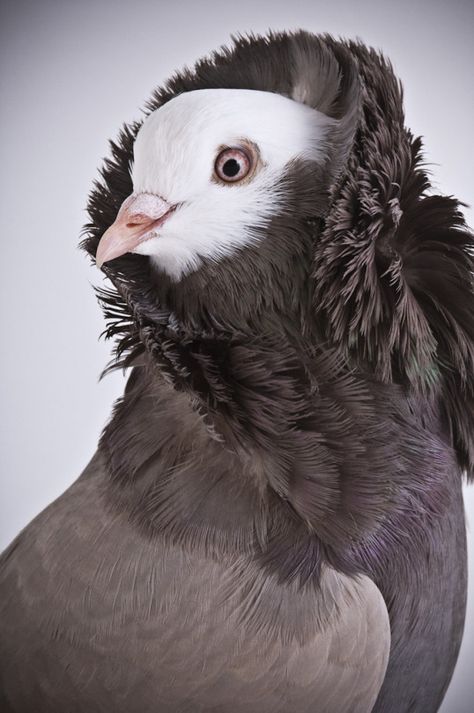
(273, 518)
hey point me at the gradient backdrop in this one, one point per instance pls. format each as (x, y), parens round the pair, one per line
(71, 73)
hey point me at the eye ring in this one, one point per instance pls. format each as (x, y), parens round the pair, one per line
(232, 164)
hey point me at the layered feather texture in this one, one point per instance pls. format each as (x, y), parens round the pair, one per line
(392, 264)
(336, 355)
(281, 480)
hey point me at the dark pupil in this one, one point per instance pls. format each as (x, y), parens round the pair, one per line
(231, 167)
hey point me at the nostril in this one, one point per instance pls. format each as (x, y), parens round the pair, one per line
(138, 219)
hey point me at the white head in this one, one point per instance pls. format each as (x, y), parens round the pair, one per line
(206, 174)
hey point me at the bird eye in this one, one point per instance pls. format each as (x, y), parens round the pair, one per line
(232, 165)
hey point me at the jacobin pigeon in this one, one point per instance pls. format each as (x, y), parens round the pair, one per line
(273, 519)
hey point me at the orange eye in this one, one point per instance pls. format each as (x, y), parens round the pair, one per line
(232, 165)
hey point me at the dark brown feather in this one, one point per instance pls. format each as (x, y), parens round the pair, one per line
(288, 448)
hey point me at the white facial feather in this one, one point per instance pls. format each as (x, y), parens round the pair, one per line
(174, 155)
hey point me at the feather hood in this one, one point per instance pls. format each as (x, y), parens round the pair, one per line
(390, 283)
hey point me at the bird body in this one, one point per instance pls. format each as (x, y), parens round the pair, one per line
(128, 615)
(273, 519)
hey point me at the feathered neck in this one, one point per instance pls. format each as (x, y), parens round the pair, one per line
(391, 265)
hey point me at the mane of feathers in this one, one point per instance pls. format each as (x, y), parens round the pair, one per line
(393, 266)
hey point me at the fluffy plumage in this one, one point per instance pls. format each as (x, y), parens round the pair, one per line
(284, 468)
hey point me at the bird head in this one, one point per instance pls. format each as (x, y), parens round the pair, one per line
(213, 201)
(209, 175)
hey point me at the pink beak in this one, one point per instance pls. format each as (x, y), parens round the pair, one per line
(136, 221)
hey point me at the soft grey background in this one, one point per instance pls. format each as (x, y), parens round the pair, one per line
(71, 73)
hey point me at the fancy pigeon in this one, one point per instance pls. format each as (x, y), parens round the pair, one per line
(273, 519)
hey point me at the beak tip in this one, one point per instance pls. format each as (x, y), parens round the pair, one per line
(137, 216)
